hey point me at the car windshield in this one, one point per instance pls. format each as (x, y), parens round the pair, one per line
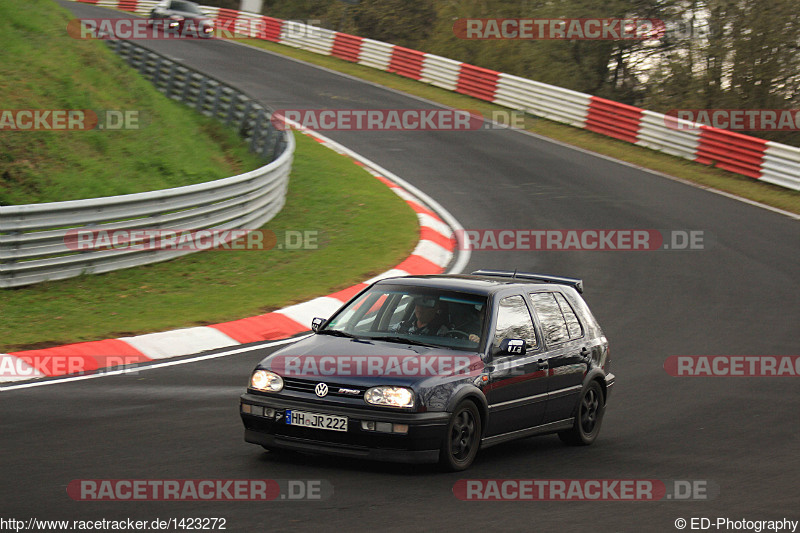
(413, 315)
(186, 7)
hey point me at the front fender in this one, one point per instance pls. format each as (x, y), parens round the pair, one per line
(471, 392)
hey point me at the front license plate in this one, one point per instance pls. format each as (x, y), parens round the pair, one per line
(315, 420)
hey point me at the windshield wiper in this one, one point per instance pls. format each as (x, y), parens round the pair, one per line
(337, 333)
(404, 340)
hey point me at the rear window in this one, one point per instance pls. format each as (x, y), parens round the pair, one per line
(559, 321)
(574, 327)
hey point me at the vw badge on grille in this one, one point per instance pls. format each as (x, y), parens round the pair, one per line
(321, 389)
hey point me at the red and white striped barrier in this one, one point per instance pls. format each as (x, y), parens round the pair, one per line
(441, 72)
(731, 151)
(614, 119)
(771, 162)
(347, 47)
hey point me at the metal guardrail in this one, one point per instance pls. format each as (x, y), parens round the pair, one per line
(34, 237)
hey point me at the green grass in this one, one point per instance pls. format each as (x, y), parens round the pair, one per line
(700, 174)
(42, 68)
(364, 229)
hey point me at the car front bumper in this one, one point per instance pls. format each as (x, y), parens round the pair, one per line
(420, 444)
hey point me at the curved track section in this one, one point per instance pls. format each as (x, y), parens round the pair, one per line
(738, 296)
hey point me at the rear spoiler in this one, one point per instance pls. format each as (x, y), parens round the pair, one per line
(575, 283)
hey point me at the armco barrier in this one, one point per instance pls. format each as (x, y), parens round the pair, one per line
(375, 54)
(441, 72)
(540, 99)
(614, 119)
(347, 47)
(781, 165)
(770, 162)
(477, 82)
(406, 62)
(674, 141)
(731, 151)
(33, 244)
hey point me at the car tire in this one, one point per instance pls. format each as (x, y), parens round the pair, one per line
(588, 417)
(462, 439)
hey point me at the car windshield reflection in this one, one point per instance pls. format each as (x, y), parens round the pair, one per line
(415, 316)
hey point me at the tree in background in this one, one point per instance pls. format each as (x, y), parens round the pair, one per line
(739, 54)
(742, 54)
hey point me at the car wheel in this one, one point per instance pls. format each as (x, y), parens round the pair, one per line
(463, 438)
(588, 417)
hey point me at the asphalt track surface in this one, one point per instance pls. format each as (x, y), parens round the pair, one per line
(739, 296)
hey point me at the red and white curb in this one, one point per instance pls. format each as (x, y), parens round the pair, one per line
(432, 255)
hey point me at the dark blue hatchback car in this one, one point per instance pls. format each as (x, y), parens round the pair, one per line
(433, 368)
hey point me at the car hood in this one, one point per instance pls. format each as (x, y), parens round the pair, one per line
(351, 361)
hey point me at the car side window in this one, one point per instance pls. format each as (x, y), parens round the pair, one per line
(554, 327)
(573, 324)
(514, 321)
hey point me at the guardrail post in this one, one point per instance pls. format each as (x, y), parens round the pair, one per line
(187, 84)
(257, 129)
(156, 79)
(200, 100)
(245, 127)
(215, 102)
(231, 108)
(171, 79)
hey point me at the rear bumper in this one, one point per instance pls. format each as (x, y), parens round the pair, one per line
(420, 444)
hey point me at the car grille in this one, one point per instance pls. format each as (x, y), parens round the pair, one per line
(306, 385)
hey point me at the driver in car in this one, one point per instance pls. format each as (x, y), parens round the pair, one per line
(429, 318)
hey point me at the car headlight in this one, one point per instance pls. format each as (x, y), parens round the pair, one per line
(266, 381)
(390, 396)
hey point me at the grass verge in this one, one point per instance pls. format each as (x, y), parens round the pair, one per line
(743, 186)
(363, 229)
(42, 68)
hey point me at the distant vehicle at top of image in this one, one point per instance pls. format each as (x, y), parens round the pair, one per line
(433, 368)
(183, 18)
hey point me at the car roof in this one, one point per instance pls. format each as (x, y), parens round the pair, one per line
(482, 282)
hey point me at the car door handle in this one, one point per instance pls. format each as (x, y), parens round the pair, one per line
(542, 364)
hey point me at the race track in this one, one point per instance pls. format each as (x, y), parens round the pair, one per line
(739, 296)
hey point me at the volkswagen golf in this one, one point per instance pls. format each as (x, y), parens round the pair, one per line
(434, 368)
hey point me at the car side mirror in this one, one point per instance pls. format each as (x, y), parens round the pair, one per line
(316, 324)
(512, 347)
